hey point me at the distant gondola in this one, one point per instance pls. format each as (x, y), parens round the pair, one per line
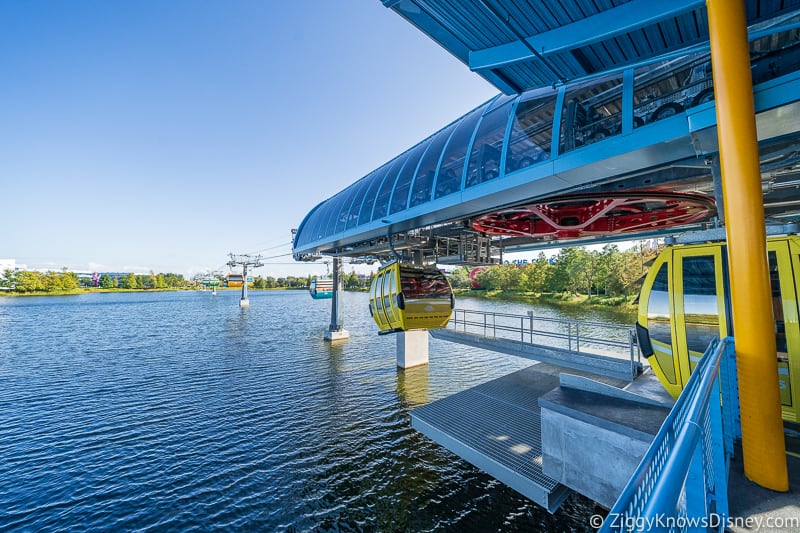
(404, 297)
(321, 288)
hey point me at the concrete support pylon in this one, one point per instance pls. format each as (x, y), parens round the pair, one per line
(336, 331)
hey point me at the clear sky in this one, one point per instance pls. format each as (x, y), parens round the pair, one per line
(161, 135)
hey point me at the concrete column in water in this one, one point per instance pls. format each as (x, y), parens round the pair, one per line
(244, 302)
(412, 348)
(763, 446)
(335, 331)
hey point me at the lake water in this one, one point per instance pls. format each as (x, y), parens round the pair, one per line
(181, 411)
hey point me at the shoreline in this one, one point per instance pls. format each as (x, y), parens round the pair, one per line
(92, 290)
(622, 303)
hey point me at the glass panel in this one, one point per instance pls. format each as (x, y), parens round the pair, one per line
(500, 101)
(666, 88)
(775, 55)
(372, 193)
(320, 222)
(400, 195)
(784, 378)
(379, 293)
(448, 180)
(385, 193)
(531, 133)
(423, 283)
(304, 232)
(700, 304)
(421, 190)
(358, 199)
(777, 305)
(658, 323)
(658, 308)
(592, 111)
(388, 281)
(484, 162)
(336, 206)
(344, 211)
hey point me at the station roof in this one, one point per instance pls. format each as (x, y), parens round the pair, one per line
(519, 45)
(647, 57)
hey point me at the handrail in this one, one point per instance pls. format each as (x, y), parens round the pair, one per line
(524, 329)
(681, 482)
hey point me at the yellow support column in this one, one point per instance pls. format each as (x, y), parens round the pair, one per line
(753, 324)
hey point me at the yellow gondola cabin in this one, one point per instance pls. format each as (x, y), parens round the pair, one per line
(404, 297)
(685, 303)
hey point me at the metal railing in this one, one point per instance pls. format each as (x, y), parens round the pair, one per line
(681, 483)
(573, 335)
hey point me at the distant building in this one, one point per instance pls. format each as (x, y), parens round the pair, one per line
(7, 264)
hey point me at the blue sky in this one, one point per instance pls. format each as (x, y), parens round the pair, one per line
(161, 135)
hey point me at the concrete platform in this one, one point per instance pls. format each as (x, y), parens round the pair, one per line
(576, 362)
(496, 426)
(754, 508)
(594, 436)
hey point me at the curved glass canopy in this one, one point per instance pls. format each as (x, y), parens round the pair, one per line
(513, 134)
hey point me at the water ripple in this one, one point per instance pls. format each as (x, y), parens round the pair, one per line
(179, 411)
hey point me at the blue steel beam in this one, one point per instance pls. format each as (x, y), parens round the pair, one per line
(446, 37)
(597, 28)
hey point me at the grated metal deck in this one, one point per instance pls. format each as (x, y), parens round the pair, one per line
(496, 427)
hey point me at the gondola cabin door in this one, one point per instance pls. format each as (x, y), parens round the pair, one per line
(684, 304)
(784, 267)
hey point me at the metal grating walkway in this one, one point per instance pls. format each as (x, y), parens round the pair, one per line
(496, 427)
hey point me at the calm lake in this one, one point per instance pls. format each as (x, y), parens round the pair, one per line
(180, 411)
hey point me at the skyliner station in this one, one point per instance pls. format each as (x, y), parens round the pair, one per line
(615, 120)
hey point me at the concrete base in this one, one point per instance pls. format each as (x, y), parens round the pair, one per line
(412, 348)
(337, 334)
(593, 439)
(244, 302)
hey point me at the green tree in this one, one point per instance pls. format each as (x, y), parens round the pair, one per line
(459, 278)
(511, 277)
(536, 275)
(174, 280)
(68, 281)
(146, 281)
(490, 278)
(129, 282)
(8, 278)
(27, 281)
(106, 281)
(52, 282)
(351, 280)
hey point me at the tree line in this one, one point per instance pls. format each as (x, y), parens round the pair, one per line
(26, 281)
(350, 281)
(576, 270)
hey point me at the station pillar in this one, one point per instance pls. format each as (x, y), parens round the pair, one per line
(412, 348)
(244, 302)
(336, 331)
(763, 445)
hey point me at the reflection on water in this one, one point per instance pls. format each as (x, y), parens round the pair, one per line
(180, 410)
(413, 386)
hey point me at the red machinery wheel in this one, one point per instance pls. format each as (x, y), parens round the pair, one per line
(580, 215)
